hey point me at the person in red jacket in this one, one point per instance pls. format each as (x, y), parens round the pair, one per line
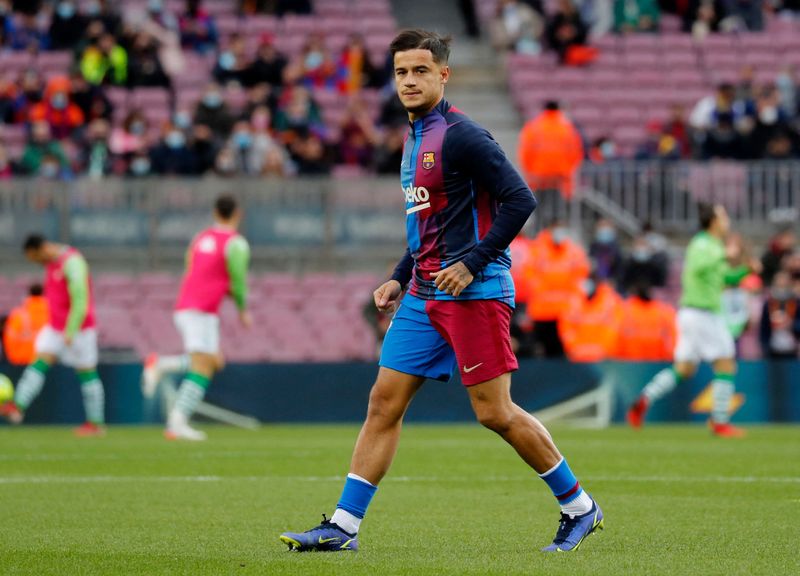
(590, 327)
(23, 325)
(647, 331)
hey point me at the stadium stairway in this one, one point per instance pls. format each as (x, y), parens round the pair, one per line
(478, 85)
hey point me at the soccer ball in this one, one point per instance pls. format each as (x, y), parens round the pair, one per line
(6, 389)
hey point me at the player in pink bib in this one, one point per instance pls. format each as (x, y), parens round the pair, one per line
(70, 336)
(216, 267)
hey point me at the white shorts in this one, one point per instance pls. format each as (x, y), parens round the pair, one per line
(199, 330)
(703, 336)
(81, 353)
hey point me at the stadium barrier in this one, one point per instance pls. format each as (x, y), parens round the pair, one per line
(766, 392)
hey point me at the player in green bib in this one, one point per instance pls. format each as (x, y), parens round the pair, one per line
(703, 333)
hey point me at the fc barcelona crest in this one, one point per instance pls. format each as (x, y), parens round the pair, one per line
(428, 160)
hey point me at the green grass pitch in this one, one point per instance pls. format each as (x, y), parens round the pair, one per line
(457, 501)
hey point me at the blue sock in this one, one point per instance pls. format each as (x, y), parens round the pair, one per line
(562, 482)
(356, 496)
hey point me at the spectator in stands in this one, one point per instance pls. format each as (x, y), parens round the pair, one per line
(723, 141)
(309, 154)
(771, 123)
(105, 12)
(467, 9)
(551, 151)
(232, 65)
(603, 150)
(23, 32)
(605, 251)
(8, 96)
(139, 165)
(225, 163)
(392, 111)
(268, 65)
(105, 62)
(172, 156)
(788, 86)
(314, 67)
(566, 34)
(708, 111)
(589, 328)
(517, 27)
(647, 331)
(92, 100)
(67, 26)
(297, 112)
(57, 109)
(779, 331)
(641, 266)
(277, 163)
(163, 18)
(659, 246)
(703, 17)
(636, 16)
(198, 29)
(247, 160)
(204, 148)
(40, 144)
(557, 267)
(745, 14)
(780, 246)
(144, 65)
(212, 111)
(357, 136)
(30, 93)
(284, 7)
(95, 156)
(23, 325)
(265, 144)
(130, 137)
(677, 128)
(389, 153)
(659, 145)
(6, 170)
(355, 70)
(261, 94)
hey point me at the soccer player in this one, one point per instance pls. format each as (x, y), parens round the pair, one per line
(216, 266)
(703, 334)
(70, 335)
(465, 203)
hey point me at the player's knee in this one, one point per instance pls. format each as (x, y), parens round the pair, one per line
(495, 418)
(383, 405)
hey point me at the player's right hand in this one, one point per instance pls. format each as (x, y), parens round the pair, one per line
(386, 296)
(245, 318)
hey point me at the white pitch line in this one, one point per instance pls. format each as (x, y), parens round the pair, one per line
(211, 479)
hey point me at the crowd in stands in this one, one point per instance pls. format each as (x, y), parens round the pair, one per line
(609, 302)
(258, 114)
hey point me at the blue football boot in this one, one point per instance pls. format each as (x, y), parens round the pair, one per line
(327, 537)
(572, 531)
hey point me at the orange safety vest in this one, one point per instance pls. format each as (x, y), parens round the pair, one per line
(550, 152)
(590, 329)
(520, 248)
(22, 327)
(553, 276)
(647, 332)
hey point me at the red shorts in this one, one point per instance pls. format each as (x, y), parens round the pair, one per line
(479, 333)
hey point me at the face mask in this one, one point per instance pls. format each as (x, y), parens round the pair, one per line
(656, 241)
(212, 100)
(66, 10)
(137, 128)
(605, 235)
(242, 139)
(59, 101)
(608, 150)
(227, 61)
(640, 254)
(313, 60)
(140, 166)
(155, 5)
(175, 139)
(589, 287)
(558, 235)
(182, 120)
(768, 115)
(93, 8)
(781, 293)
(49, 170)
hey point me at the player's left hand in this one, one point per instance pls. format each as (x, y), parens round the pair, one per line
(245, 318)
(453, 279)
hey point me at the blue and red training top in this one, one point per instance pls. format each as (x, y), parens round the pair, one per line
(464, 202)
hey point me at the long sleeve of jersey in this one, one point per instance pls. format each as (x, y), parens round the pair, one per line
(477, 154)
(404, 269)
(76, 272)
(237, 259)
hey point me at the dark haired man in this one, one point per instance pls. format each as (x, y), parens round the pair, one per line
(465, 203)
(703, 334)
(69, 336)
(216, 267)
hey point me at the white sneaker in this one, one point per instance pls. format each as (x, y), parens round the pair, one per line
(178, 429)
(151, 375)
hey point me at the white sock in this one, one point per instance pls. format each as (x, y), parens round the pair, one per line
(94, 400)
(346, 521)
(721, 394)
(190, 394)
(662, 384)
(29, 386)
(173, 364)
(579, 506)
